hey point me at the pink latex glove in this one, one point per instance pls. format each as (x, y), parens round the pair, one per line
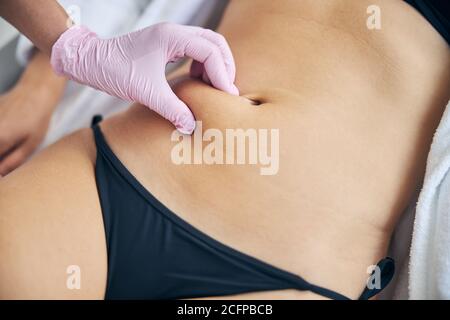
(132, 67)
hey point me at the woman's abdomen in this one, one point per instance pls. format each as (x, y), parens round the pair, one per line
(353, 114)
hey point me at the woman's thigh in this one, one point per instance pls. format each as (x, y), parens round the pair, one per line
(52, 242)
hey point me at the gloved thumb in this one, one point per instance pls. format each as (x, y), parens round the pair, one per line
(169, 106)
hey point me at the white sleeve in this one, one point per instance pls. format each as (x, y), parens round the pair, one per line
(192, 12)
(107, 18)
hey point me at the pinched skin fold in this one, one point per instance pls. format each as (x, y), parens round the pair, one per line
(132, 67)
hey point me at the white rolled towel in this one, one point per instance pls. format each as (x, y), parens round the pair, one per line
(429, 270)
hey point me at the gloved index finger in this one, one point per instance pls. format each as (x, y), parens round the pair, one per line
(210, 55)
(220, 41)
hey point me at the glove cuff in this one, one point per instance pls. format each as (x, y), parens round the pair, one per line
(64, 56)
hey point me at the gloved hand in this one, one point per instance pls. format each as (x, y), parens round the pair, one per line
(132, 67)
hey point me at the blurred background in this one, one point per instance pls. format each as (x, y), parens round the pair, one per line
(9, 68)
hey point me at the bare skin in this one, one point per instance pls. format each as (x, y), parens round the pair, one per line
(26, 110)
(42, 21)
(356, 110)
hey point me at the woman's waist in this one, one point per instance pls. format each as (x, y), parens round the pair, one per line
(247, 166)
(298, 45)
(310, 208)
